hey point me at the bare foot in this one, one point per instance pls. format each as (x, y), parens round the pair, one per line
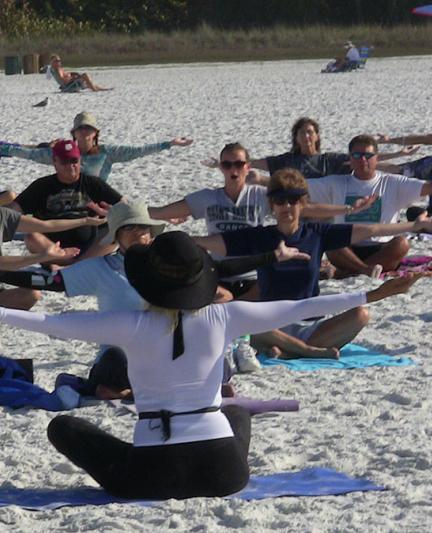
(327, 270)
(106, 393)
(313, 353)
(227, 390)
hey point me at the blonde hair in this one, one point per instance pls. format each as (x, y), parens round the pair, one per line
(171, 314)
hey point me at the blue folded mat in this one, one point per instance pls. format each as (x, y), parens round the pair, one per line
(351, 356)
(308, 482)
(16, 393)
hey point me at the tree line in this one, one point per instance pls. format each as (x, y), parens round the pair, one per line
(133, 16)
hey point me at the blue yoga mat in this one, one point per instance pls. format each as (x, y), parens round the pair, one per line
(308, 482)
(351, 356)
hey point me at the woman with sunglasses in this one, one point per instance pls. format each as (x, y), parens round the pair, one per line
(305, 155)
(184, 444)
(287, 193)
(96, 159)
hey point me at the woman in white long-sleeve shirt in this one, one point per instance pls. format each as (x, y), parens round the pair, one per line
(184, 445)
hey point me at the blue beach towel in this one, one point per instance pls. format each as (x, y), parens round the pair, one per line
(352, 356)
(16, 393)
(308, 482)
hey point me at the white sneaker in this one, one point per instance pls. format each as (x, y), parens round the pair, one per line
(245, 358)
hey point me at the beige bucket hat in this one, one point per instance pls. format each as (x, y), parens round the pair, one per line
(123, 214)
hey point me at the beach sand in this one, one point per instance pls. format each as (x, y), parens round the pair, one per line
(374, 422)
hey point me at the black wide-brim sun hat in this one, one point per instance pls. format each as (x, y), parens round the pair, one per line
(173, 272)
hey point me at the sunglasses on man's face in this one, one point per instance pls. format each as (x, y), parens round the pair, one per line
(359, 155)
(285, 199)
(227, 165)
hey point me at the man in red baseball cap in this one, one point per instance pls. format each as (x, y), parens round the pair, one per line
(65, 194)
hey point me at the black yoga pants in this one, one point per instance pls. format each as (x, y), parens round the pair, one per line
(205, 468)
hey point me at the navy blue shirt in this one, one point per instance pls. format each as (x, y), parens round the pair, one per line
(311, 166)
(289, 280)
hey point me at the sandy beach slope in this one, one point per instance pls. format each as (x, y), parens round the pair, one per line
(374, 422)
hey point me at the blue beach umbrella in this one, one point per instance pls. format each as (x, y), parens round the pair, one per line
(425, 11)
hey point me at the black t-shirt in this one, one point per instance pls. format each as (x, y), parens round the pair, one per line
(47, 198)
(289, 280)
(311, 166)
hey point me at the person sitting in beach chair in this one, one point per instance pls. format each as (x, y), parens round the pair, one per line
(71, 82)
(352, 57)
(364, 52)
(335, 65)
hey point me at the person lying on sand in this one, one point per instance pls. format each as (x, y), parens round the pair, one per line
(65, 78)
(181, 430)
(96, 159)
(287, 192)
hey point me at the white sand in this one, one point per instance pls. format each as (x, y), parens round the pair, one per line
(373, 422)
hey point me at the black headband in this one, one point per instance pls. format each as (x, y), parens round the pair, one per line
(284, 193)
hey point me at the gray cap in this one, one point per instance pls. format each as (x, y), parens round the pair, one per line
(123, 214)
(85, 119)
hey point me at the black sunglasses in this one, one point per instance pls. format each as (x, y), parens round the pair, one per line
(227, 165)
(359, 155)
(285, 199)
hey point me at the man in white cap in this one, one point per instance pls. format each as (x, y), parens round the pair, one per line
(352, 56)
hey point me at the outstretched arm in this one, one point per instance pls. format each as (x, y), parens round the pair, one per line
(403, 152)
(30, 280)
(332, 210)
(261, 164)
(115, 328)
(257, 317)
(119, 153)
(405, 139)
(39, 155)
(361, 232)
(178, 209)
(240, 265)
(212, 243)
(51, 254)
(30, 224)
